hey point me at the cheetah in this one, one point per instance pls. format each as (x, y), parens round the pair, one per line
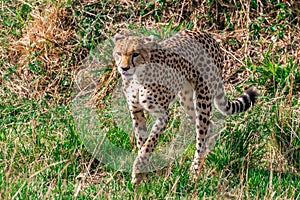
(187, 65)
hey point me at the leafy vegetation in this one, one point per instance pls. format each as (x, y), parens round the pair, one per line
(43, 44)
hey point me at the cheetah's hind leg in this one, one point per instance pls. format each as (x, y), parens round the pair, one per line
(186, 96)
(203, 107)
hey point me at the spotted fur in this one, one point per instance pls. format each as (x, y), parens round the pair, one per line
(189, 65)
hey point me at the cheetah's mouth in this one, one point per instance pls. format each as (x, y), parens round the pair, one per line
(127, 74)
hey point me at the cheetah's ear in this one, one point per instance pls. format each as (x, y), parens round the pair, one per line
(149, 42)
(118, 37)
(149, 39)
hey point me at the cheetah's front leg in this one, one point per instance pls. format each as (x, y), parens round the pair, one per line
(141, 163)
(139, 126)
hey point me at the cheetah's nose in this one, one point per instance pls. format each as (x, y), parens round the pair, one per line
(125, 68)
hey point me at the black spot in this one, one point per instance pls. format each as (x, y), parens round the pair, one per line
(150, 107)
(200, 117)
(135, 112)
(199, 105)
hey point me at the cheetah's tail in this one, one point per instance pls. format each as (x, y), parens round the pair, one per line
(241, 104)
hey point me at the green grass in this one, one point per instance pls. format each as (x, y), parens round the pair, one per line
(42, 155)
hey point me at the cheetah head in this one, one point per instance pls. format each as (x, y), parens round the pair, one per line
(131, 53)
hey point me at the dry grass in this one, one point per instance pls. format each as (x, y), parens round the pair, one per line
(42, 58)
(51, 45)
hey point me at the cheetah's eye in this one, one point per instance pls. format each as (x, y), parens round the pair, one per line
(134, 55)
(118, 53)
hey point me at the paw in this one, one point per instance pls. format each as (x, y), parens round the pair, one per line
(194, 172)
(137, 175)
(197, 167)
(194, 168)
(137, 178)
